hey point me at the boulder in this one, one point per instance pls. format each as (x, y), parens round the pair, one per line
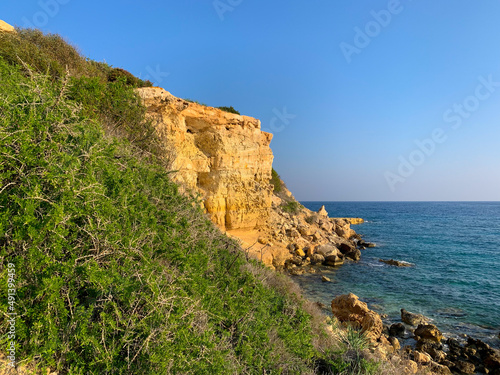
(397, 330)
(409, 367)
(348, 308)
(428, 332)
(412, 319)
(326, 226)
(395, 343)
(464, 367)
(317, 259)
(309, 250)
(300, 253)
(295, 260)
(333, 260)
(438, 369)
(322, 211)
(346, 248)
(325, 279)
(306, 230)
(328, 249)
(296, 271)
(317, 237)
(343, 231)
(420, 357)
(491, 360)
(354, 254)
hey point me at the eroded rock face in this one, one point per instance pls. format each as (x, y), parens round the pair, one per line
(348, 308)
(223, 156)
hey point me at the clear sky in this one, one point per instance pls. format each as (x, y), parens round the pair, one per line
(367, 99)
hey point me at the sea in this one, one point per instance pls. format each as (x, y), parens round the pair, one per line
(455, 251)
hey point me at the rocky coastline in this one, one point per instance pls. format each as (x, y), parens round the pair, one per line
(226, 160)
(416, 342)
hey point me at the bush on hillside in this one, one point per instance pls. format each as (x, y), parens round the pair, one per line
(116, 74)
(276, 181)
(292, 207)
(229, 109)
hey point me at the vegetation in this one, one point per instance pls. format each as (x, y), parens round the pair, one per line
(292, 207)
(195, 101)
(276, 181)
(116, 272)
(229, 109)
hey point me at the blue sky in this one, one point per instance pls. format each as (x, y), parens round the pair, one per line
(367, 100)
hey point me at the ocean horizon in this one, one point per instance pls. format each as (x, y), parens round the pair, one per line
(455, 251)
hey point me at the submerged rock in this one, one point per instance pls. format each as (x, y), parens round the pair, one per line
(397, 263)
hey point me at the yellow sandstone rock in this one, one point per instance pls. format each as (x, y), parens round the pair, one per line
(223, 156)
(5, 27)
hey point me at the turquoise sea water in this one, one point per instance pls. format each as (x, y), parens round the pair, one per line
(455, 247)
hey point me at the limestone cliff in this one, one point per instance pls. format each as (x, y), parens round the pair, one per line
(223, 156)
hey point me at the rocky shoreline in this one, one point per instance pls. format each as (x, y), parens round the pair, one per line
(417, 340)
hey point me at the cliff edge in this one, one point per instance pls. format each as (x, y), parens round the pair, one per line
(223, 156)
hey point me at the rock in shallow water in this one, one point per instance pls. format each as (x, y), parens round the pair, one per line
(413, 319)
(397, 263)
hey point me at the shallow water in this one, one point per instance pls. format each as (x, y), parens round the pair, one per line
(455, 247)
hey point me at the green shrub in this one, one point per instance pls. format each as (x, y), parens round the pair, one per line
(276, 181)
(47, 54)
(292, 207)
(116, 74)
(118, 108)
(229, 109)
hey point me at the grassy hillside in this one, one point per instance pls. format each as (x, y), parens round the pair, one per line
(116, 272)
